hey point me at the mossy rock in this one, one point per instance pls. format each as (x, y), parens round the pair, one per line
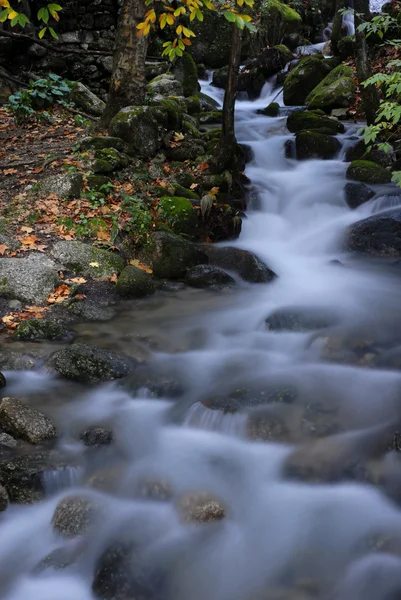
(186, 73)
(207, 103)
(303, 78)
(178, 213)
(214, 116)
(110, 157)
(96, 182)
(138, 126)
(171, 256)
(337, 90)
(311, 144)
(85, 99)
(189, 149)
(212, 43)
(285, 51)
(99, 142)
(134, 283)
(165, 85)
(277, 20)
(140, 170)
(368, 172)
(184, 179)
(272, 110)
(310, 120)
(39, 329)
(212, 134)
(346, 47)
(87, 260)
(190, 129)
(170, 113)
(193, 105)
(183, 192)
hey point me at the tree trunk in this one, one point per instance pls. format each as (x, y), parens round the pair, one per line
(369, 94)
(228, 142)
(128, 82)
(336, 33)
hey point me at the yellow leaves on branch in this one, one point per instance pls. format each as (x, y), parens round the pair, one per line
(193, 9)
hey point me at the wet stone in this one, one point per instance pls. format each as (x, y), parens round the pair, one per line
(73, 516)
(97, 436)
(200, 508)
(24, 422)
(4, 499)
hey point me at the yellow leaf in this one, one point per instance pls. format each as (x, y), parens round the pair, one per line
(5, 3)
(141, 25)
(77, 280)
(179, 29)
(139, 265)
(94, 264)
(12, 14)
(187, 32)
(170, 19)
(146, 30)
(214, 191)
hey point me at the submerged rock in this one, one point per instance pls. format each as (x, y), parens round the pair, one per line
(40, 329)
(90, 311)
(171, 256)
(31, 279)
(357, 194)
(272, 110)
(368, 172)
(200, 508)
(243, 262)
(88, 364)
(134, 283)
(22, 421)
(207, 276)
(87, 260)
(310, 144)
(311, 120)
(300, 319)
(378, 235)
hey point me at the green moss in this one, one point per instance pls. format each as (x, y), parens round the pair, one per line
(102, 166)
(346, 47)
(184, 179)
(311, 144)
(311, 120)
(212, 134)
(39, 329)
(95, 182)
(303, 79)
(134, 283)
(368, 172)
(187, 74)
(334, 75)
(190, 129)
(169, 113)
(115, 158)
(193, 105)
(100, 142)
(213, 116)
(183, 192)
(286, 52)
(337, 94)
(277, 20)
(178, 213)
(272, 110)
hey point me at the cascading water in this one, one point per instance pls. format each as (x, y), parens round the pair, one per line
(280, 537)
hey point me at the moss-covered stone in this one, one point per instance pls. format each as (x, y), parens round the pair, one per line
(311, 144)
(85, 99)
(138, 126)
(183, 192)
(206, 276)
(346, 47)
(286, 52)
(337, 90)
(39, 329)
(190, 129)
(212, 134)
(171, 256)
(207, 103)
(178, 213)
(96, 182)
(214, 116)
(99, 142)
(87, 260)
(169, 113)
(272, 110)
(278, 19)
(186, 73)
(184, 179)
(212, 43)
(109, 159)
(165, 85)
(188, 149)
(303, 78)
(193, 105)
(310, 120)
(368, 172)
(134, 283)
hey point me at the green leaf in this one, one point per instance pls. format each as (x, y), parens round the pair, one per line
(53, 33)
(42, 32)
(3, 15)
(22, 20)
(14, 21)
(43, 15)
(230, 16)
(55, 7)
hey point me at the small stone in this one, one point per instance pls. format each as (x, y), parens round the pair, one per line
(206, 276)
(24, 422)
(64, 185)
(97, 436)
(8, 441)
(15, 304)
(85, 99)
(73, 516)
(200, 508)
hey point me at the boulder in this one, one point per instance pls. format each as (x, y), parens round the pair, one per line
(337, 90)
(200, 508)
(189, 149)
(359, 151)
(100, 142)
(214, 116)
(357, 194)
(134, 283)
(310, 144)
(64, 185)
(378, 235)
(85, 99)
(207, 276)
(178, 213)
(97, 436)
(41, 329)
(87, 260)
(170, 256)
(169, 112)
(186, 73)
(311, 120)
(368, 172)
(96, 182)
(89, 364)
(73, 516)
(272, 110)
(248, 266)
(207, 103)
(108, 160)
(26, 423)
(30, 279)
(165, 85)
(194, 105)
(277, 20)
(300, 319)
(346, 47)
(269, 62)
(138, 126)
(90, 311)
(303, 78)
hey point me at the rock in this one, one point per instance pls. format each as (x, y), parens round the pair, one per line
(22, 421)
(339, 113)
(7, 441)
(178, 213)
(368, 172)
(200, 508)
(73, 516)
(138, 126)
(337, 90)
(194, 105)
(207, 118)
(378, 235)
(134, 283)
(300, 319)
(89, 364)
(87, 260)
(85, 99)
(189, 149)
(108, 160)
(97, 436)
(207, 103)
(96, 182)
(311, 120)
(265, 425)
(169, 112)
(39, 329)
(346, 47)
(100, 142)
(292, 40)
(303, 78)
(272, 110)
(4, 499)
(186, 73)
(165, 85)
(359, 151)
(243, 262)
(184, 179)
(180, 191)
(171, 256)
(10, 242)
(30, 279)
(277, 20)
(356, 194)
(310, 144)
(3, 381)
(19, 361)
(35, 51)
(269, 62)
(206, 276)
(90, 311)
(64, 185)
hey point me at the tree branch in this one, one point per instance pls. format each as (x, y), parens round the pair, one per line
(5, 75)
(27, 38)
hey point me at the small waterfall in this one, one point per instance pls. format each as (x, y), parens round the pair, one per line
(201, 417)
(59, 479)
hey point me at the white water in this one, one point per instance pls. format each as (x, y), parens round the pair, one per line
(277, 532)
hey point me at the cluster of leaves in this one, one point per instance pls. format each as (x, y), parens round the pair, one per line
(162, 14)
(9, 13)
(41, 94)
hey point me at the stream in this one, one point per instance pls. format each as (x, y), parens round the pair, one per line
(327, 534)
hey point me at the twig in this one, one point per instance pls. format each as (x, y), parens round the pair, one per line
(5, 75)
(20, 163)
(27, 38)
(80, 112)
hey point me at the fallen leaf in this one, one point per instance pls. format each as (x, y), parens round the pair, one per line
(79, 297)
(113, 278)
(9, 171)
(28, 240)
(8, 319)
(26, 229)
(193, 186)
(59, 295)
(77, 280)
(203, 166)
(136, 263)
(3, 248)
(214, 191)
(94, 264)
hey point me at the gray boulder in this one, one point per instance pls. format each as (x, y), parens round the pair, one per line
(134, 283)
(245, 263)
(40, 329)
(29, 279)
(85, 99)
(73, 516)
(138, 126)
(378, 235)
(88, 364)
(87, 260)
(170, 256)
(4, 498)
(206, 276)
(357, 194)
(165, 85)
(24, 422)
(64, 185)
(90, 311)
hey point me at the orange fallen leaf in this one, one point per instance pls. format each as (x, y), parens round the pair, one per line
(3, 248)
(203, 166)
(59, 295)
(193, 186)
(113, 278)
(77, 280)
(136, 263)
(28, 240)
(9, 171)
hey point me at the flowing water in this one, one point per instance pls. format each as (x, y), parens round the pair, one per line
(311, 396)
